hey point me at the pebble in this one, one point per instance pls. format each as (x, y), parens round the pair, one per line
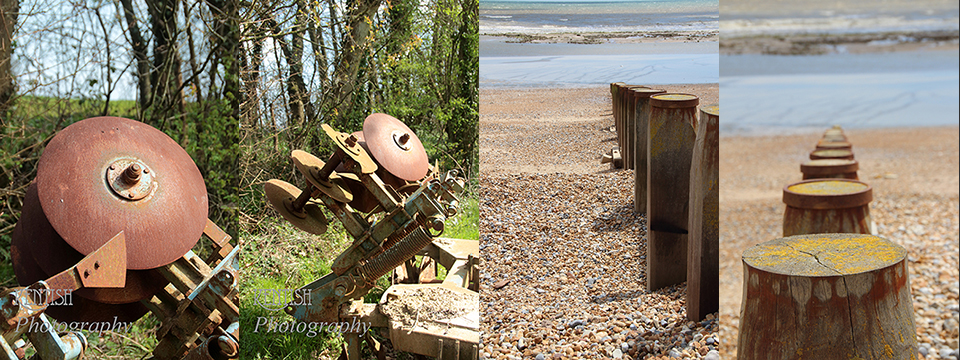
(600, 309)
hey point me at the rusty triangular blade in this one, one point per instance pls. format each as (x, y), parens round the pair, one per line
(105, 267)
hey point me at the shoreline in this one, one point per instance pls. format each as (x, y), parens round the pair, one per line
(587, 38)
(829, 43)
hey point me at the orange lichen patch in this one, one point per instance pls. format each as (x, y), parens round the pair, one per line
(675, 97)
(824, 254)
(828, 187)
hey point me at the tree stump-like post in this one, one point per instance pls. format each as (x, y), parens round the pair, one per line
(703, 261)
(826, 296)
(640, 161)
(630, 126)
(834, 134)
(830, 169)
(834, 145)
(615, 97)
(821, 206)
(831, 154)
(673, 118)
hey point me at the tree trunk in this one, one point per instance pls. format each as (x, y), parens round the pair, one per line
(9, 11)
(139, 46)
(826, 296)
(353, 48)
(167, 94)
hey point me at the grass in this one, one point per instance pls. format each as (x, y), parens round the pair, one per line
(287, 258)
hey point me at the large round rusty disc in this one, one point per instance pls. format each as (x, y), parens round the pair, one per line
(54, 255)
(28, 271)
(310, 166)
(84, 203)
(395, 147)
(282, 194)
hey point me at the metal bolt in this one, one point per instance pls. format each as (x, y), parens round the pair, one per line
(340, 290)
(132, 174)
(351, 140)
(404, 138)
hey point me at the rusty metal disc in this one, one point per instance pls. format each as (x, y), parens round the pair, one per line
(282, 195)
(310, 166)
(28, 271)
(87, 202)
(395, 147)
(827, 194)
(53, 255)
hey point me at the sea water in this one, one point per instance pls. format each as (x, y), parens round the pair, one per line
(572, 16)
(505, 65)
(768, 94)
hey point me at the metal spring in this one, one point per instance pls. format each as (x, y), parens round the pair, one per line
(395, 255)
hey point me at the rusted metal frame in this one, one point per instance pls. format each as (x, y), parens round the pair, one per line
(8, 351)
(208, 302)
(219, 237)
(49, 345)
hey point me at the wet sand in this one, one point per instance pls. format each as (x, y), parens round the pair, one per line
(543, 130)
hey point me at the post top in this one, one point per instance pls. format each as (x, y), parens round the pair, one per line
(824, 255)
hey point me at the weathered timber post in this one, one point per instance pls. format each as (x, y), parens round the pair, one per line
(830, 169)
(820, 206)
(630, 127)
(831, 154)
(826, 296)
(615, 97)
(834, 145)
(669, 152)
(834, 134)
(640, 162)
(703, 261)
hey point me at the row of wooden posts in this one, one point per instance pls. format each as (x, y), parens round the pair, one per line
(674, 149)
(828, 289)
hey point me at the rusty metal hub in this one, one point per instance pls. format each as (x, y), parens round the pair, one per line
(130, 179)
(86, 201)
(395, 147)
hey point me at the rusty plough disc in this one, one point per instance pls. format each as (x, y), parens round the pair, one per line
(282, 195)
(103, 175)
(395, 147)
(333, 185)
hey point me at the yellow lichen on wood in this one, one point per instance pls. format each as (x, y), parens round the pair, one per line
(675, 97)
(828, 187)
(824, 254)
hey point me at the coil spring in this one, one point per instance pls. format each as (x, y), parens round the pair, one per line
(395, 255)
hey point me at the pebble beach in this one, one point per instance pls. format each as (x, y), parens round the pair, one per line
(563, 253)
